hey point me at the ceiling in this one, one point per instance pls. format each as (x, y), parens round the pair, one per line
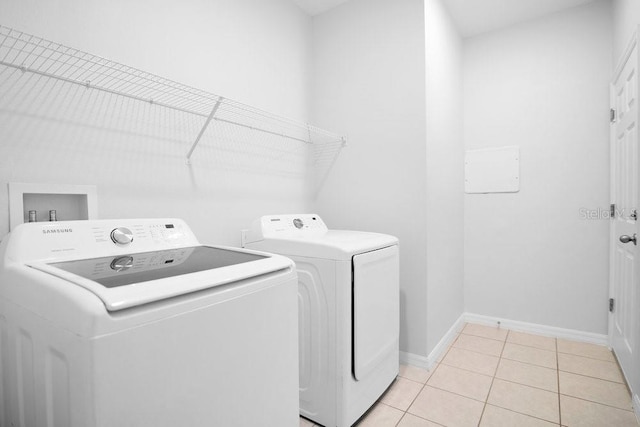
(316, 7)
(473, 17)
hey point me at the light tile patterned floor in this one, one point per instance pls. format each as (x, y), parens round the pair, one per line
(499, 378)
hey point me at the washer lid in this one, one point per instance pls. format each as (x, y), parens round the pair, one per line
(125, 281)
(332, 244)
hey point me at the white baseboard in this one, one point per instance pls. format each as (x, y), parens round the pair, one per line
(430, 360)
(516, 325)
(534, 328)
(442, 346)
(414, 360)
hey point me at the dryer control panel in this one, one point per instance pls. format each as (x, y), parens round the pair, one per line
(285, 226)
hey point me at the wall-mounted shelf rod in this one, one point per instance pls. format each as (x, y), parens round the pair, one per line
(262, 130)
(89, 85)
(204, 128)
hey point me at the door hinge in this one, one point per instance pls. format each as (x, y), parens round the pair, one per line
(634, 215)
(611, 304)
(612, 210)
(612, 115)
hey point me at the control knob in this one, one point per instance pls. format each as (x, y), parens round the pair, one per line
(122, 236)
(122, 263)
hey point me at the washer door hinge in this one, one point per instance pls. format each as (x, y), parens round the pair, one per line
(611, 304)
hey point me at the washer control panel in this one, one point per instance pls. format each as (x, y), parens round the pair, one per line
(67, 239)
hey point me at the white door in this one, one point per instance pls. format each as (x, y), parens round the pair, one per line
(624, 318)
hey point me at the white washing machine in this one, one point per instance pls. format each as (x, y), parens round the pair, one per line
(134, 323)
(348, 310)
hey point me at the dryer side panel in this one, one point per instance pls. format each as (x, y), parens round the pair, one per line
(317, 325)
(376, 308)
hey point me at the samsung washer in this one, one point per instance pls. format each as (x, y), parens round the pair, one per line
(348, 309)
(134, 323)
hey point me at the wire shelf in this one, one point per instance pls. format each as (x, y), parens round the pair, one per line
(23, 54)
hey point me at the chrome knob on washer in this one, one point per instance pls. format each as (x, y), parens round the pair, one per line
(122, 236)
(122, 263)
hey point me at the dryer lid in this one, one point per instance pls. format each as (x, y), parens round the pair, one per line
(306, 235)
(129, 280)
(332, 244)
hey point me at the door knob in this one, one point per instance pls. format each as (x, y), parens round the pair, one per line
(626, 239)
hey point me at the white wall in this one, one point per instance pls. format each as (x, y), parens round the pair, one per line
(255, 51)
(445, 173)
(369, 83)
(626, 18)
(541, 85)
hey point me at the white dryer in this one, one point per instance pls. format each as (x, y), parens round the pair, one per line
(348, 310)
(133, 323)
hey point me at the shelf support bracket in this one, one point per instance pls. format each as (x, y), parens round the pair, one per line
(204, 128)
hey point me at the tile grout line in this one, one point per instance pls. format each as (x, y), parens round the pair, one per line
(530, 365)
(457, 394)
(597, 403)
(557, 350)
(612, 362)
(555, 368)
(510, 382)
(532, 346)
(546, 367)
(425, 383)
(491, 376)
(506, 358)
(405, 378)
(586, 357)
(521, 413)
(418, 416)
(533, 365)
(495, 377)
(486, 401)
(505, 342)
(524, 385)
(482, 336)
(589, 376)
(465, 369)
(474, 351)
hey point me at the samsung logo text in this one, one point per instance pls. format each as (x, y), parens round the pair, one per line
(57, 230)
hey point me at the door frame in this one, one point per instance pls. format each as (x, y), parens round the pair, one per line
(633, 382)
